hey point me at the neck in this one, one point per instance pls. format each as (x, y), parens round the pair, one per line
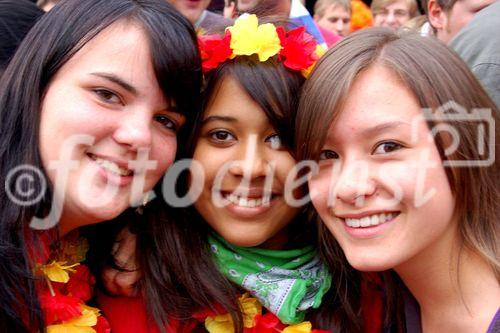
(456, 289)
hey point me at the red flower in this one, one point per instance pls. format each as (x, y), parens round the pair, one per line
(298, 48)
(267, 323)
(59, 307)
(81, 283)
(102, 325)
(214, 49)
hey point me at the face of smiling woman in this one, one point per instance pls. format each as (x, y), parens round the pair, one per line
(370, 159)
(107, 91)
(236, 129)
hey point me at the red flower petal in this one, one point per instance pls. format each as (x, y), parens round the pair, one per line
(298, 52)
(59, 307)
(267, 323)
(102, 325)
(81, 283)
(214, 49)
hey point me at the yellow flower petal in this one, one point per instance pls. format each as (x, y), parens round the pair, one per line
(57, 271)
(304, 327)
(250, 307)
(67, 328)
(248, 38)
(219, 324)
(269, 42)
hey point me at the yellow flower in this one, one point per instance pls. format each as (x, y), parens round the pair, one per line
(304, 327)
(320, 51)
(219, 324)
(224, 323)
(250, 307)
(57, 271)
(248, 37)
(82, 324)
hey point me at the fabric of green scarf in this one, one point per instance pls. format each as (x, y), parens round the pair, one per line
(286, 282)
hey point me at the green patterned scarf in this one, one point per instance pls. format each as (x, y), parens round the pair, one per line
(286, 282)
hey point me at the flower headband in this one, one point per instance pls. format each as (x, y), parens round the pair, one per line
(297, 49)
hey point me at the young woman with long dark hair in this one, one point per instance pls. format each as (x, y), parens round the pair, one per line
(94, 86)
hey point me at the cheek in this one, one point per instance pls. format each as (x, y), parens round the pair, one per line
(319, 189)
(163, 152)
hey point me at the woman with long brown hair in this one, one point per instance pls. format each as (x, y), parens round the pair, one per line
(408, 183)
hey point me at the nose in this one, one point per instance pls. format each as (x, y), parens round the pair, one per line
(355, 184)
(134, 129)
(339, 27)
(251, 160)
(391, 18)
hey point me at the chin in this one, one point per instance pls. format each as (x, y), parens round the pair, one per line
(369, 263)
(243, 240)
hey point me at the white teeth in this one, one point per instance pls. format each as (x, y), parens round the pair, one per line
(244, 202)
(113, 167)
(368, 221)
(364, 222)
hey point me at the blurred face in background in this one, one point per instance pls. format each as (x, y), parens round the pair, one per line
(336, 18)
(393, 15)
(191, 9)
(246, 5)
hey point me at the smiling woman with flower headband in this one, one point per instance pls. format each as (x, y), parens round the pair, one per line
(248, 263)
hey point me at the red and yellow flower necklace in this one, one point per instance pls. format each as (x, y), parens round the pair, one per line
(68, 285)
(254, 321)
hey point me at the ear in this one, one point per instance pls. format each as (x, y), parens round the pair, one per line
(437, 17)
(316, 17)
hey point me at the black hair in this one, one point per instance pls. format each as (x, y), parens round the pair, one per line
(177, 260)
(56, 37)
(16, 19)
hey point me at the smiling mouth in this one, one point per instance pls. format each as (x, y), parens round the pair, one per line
(370, 221)
(111, 167)
(246, 202)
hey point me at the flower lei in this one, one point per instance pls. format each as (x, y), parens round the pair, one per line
(253, 320)
(69, 284)
(298, 50)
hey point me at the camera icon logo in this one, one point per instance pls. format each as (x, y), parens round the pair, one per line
(447, 117)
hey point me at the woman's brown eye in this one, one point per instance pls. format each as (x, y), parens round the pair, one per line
(328, 155)
(221, 135)
(387, 147)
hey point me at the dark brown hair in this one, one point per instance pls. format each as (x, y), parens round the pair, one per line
(54, 40)
(180, 273)
(435, 75)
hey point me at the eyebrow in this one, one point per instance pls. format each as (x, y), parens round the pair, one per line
(372, 131)
(218, 118)
(116, 80)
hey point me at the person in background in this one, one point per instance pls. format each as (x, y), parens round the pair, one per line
(475, 45)
(196, 12)
(393, 13)
(333, 15)
(46, 5)
(296, 13)
(448, 17)
(16, 19)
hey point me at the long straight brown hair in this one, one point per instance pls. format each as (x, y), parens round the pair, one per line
(436, 76)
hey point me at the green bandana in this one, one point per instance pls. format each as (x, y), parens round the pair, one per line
(286, 282)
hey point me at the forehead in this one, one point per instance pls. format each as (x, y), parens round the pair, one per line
(336, 10)
(376, 96)
(121, 48)
(230, 99)
(398, 4)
